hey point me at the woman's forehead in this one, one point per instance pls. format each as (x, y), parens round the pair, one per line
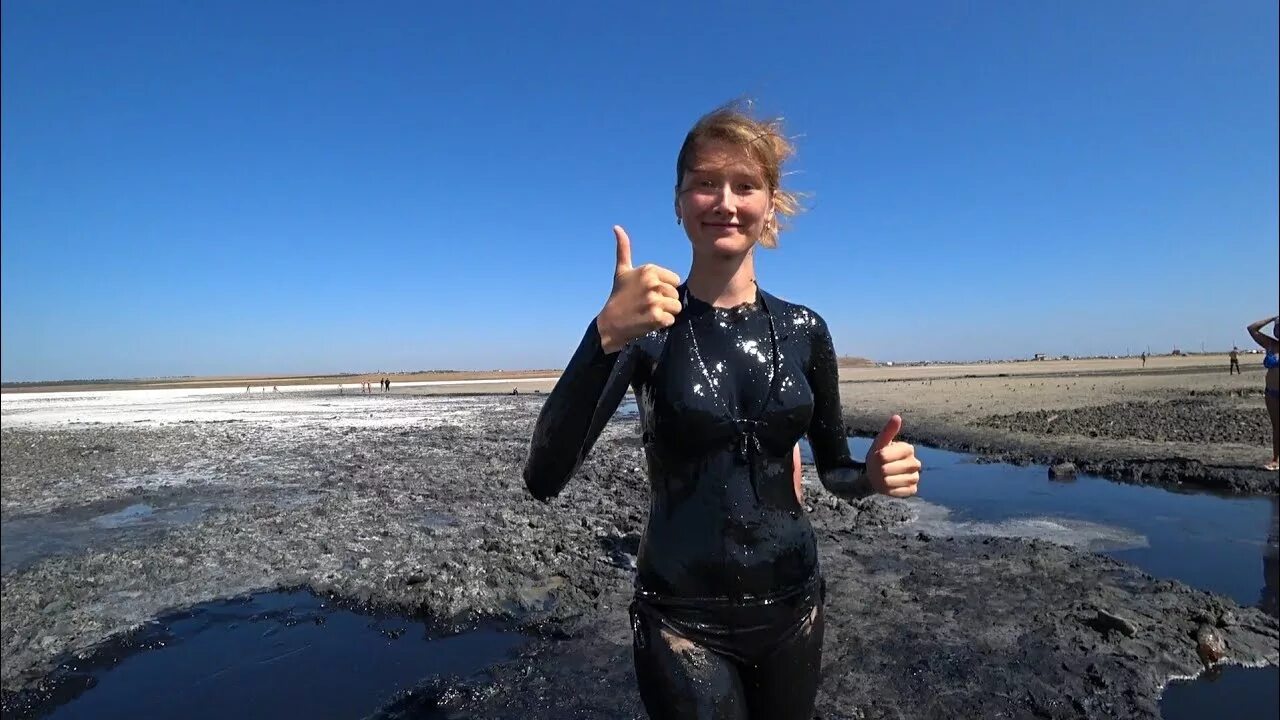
(718, 156)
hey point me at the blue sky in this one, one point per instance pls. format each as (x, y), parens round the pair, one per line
(272, 187)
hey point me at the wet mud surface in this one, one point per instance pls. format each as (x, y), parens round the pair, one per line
(1191, 420)
(427, 516)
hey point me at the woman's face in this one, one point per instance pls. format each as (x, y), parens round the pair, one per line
(723, 200)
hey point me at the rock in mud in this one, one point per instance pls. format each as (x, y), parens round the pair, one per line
(1209, 645)
(1062, 471)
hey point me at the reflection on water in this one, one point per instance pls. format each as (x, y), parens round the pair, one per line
(1271, 564)
(1250, 693)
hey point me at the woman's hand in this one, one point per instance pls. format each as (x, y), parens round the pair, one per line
(643, 299)
(892, 467)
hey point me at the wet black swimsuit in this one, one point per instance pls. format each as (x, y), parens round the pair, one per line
(727, 617)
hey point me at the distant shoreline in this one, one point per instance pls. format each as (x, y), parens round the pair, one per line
(851, 370)
(259, 381)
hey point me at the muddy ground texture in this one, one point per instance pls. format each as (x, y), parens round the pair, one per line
(434, 520)
(1197, 427)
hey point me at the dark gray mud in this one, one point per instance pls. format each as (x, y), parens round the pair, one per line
(1193, 419)
(432, 520)
(1206, 441)
(926, 628)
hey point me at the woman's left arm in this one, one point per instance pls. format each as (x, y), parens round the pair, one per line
(839, 472)
(891, 467)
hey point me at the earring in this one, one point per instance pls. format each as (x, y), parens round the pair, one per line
(677, 219)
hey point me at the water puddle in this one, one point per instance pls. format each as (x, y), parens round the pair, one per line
(1250, 693)
(268, 655)
(438, 521)
(1228, 545)
(628, 410)
(142, 513)
(25, 540)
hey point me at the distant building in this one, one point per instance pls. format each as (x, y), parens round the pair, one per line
(1038, 356)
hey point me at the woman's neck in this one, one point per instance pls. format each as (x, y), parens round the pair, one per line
(723, 282)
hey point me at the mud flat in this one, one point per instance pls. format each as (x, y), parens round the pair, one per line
(414, 504)
(1178, 422)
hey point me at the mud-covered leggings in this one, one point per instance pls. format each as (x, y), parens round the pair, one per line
(728, 660)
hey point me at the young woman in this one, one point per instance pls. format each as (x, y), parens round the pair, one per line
(727, 617)
(1271, 346)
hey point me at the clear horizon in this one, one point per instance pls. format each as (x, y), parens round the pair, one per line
(390, 371)
(243, 189)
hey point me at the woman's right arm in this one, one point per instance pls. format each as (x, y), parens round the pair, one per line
(1267, 342)
(587, 394)
(580, 405)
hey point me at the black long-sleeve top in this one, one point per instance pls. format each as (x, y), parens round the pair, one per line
(723, 396)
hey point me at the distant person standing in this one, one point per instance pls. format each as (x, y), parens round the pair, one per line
(1235, 361)
(1144, 359)
(1271, 345)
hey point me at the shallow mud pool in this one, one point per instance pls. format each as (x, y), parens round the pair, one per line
(267, 655)
(176, 522)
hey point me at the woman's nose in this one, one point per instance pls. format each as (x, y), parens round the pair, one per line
(725, 200)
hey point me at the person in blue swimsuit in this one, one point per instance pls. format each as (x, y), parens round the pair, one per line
(727, 616)
(1271, 346)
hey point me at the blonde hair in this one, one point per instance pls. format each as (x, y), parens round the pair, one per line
(765, 144)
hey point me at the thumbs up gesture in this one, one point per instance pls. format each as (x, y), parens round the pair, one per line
(643, 299)
(892, 466)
